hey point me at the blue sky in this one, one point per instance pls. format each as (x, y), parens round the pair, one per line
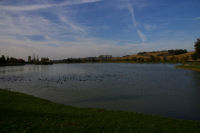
(81, 28)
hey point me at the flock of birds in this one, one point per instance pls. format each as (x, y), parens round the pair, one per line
(58, 79)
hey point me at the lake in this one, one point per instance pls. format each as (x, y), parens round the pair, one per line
(157, 89)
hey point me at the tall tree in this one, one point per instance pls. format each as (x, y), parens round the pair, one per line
(196, 55)
(3, 59)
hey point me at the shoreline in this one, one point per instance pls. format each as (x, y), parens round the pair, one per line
(25, 113)
(4, 65)
(193, 67)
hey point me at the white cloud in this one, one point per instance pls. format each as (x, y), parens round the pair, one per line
(24, 25)
(197, 18)
(139, 32)
(142, 35)
(131, 10)
(40, 6)
(61, 35)
(71, 24)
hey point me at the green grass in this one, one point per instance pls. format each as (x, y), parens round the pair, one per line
(20, 113)
(191, 66)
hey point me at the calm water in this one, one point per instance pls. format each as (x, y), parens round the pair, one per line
(158, 89)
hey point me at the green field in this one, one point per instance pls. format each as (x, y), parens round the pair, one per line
(21, 113)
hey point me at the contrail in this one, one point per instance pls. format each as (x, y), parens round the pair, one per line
(139, 32)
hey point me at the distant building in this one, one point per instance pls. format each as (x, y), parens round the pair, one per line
(45, 61)
(37, 58)
(29, 59)
(91, 59)
(34, 59)
(105, 57)
(125, 55)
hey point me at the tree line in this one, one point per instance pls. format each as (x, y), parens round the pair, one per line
(167, 52)
(10, 61)
(155, 59)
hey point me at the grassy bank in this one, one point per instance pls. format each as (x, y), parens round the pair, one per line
(190, 66)
(20, 113)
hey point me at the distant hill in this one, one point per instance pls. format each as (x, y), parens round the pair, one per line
(168, 56)
(158, 56)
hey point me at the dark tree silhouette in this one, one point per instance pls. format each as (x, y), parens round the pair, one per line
(177, 51)
(3, 59)
(196, 55)
(10, 61)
